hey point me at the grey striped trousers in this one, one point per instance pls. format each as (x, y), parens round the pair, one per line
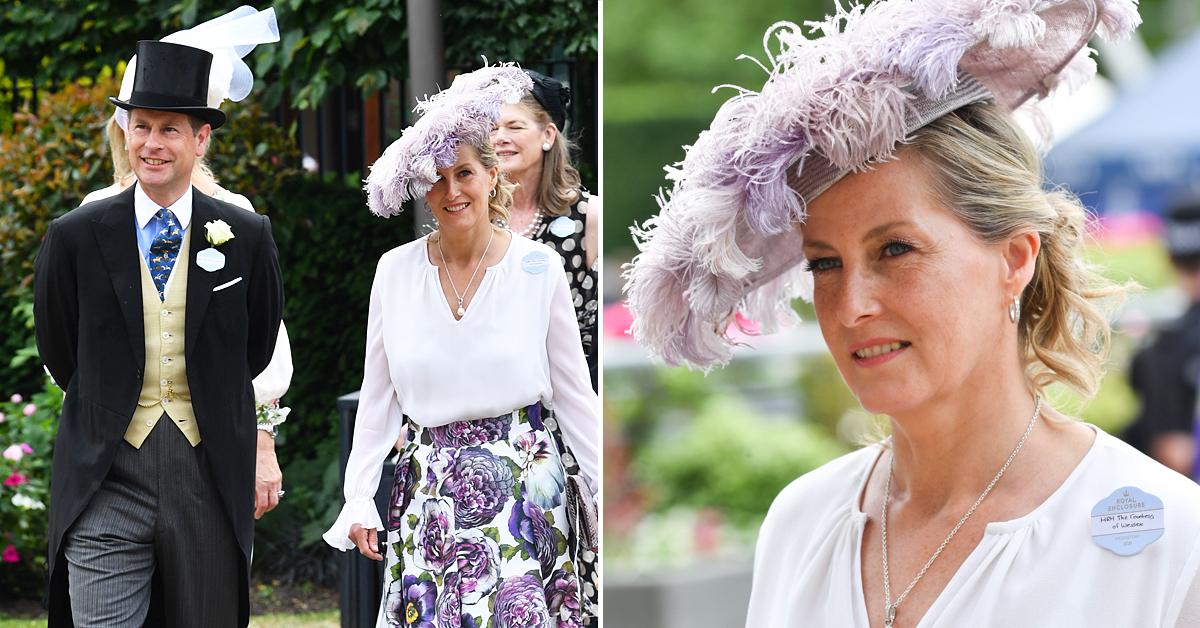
(156, 511)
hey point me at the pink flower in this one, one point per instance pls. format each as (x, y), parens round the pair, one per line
(11, 555)
(16, 399)
(1, 417)
(14, 453)
(16, 479)
(29, 409)
(26, 448)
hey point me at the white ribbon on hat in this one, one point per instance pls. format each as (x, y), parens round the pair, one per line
(229, 38)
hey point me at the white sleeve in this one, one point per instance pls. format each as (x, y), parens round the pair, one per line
(273, 382)
(376, 429)
(575, 404)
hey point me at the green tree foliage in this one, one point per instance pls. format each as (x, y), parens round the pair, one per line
(323, 44)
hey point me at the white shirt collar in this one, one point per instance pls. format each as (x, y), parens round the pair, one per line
(145, 209)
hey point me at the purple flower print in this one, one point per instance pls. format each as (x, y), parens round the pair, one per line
(480, 484)
(449, 604)
(410, 603)
(562, 599)
(434, 536)
(521, 603)
(545, 482)
(471, 433)
(478, 562)
(404, 486)
(438, 465)
(528, 524)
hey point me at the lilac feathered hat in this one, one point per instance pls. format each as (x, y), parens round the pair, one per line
(725, 239)
(466, 111)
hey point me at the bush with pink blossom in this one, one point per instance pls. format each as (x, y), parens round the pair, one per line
(27, 427)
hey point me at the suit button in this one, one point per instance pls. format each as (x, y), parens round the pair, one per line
(149, 422)
(163, 382)
(166, 312)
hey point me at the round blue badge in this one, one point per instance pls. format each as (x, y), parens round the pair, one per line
(535, 263)
(1128, 520)
(562, 226)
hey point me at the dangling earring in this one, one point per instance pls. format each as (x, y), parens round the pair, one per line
(546, 147)
(1014, 310)
(493, 194)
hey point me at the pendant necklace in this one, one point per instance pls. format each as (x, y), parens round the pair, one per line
(889, 614)
(461, 309)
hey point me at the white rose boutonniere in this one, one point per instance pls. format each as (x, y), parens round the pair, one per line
(217, 232)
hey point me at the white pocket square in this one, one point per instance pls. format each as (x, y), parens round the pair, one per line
(226, 284)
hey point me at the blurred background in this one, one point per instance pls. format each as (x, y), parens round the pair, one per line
(693, 461)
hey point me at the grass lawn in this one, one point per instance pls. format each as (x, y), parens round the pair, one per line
(323, 619)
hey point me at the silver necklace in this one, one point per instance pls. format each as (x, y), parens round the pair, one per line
(889, 616)
(461, 309)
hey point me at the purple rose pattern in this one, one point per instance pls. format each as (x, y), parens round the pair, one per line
(411, 605)
(545, 482)
(471, 433)
(528, 524)
(478, 563)
(480, 484)
(404, 486)
(449, 605)
(450, 574)
(434, 536)
(521, 603)
(438, 465)
(562, 599)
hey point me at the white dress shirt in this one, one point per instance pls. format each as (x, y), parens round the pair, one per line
(517, 344)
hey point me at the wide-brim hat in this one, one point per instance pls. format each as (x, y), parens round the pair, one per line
(465, 112)
(725, 240)
(172, 77)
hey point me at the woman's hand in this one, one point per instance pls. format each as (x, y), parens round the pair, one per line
(367, 540)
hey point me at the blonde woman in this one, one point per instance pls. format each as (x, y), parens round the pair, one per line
(471, 344)
(881, 173)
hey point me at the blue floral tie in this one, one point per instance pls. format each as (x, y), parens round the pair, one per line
(164, 250)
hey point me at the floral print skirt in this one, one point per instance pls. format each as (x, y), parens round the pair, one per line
(477, 528)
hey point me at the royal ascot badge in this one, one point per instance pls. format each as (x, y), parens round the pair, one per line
(562, 226)
(1127, 521)
(535, 263)
(217, 232)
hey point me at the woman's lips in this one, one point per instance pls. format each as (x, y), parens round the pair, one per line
(877, 351)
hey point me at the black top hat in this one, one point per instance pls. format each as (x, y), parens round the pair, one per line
(171, 77)
(552, 95)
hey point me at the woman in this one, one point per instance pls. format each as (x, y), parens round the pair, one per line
(471, 339)
(548, 205)
(237, 32)
(949, 286)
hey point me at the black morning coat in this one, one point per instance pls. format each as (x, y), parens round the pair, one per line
(88, 319)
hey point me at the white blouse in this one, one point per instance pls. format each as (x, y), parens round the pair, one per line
(275, 380)
(517, 344)
(1039, 570)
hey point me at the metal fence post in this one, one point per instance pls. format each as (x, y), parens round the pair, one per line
(360, 582)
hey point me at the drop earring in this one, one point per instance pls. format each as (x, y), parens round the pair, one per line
(1014, 310)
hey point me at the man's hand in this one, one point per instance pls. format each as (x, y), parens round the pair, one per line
(267, 477)
(367, 540)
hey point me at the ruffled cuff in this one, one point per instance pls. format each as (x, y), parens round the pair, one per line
(361, 511)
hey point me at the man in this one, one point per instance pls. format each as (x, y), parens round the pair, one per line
(1165, 373)
(155, 334)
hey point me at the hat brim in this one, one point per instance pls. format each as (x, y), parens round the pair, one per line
(214, 117)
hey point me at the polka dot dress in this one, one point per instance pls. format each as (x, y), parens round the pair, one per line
(565, 234)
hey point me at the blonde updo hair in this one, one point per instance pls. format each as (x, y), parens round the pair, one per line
(559, 183)
(988, 173)
(497, 205)
(202, 175)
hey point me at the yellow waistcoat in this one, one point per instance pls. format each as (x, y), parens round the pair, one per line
(164, 380)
